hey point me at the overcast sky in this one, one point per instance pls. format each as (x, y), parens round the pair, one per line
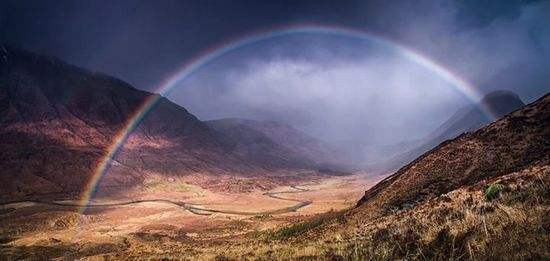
(337, 88)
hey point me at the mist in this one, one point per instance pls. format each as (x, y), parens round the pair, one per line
(337, 89)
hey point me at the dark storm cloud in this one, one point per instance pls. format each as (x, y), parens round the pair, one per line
(144, 41)
(479, 13)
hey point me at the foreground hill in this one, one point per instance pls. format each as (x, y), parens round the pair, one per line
(57, 120)
(467, 119)
(482, 195)
(518, 141)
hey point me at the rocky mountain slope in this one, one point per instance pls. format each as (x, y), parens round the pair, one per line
(466, 119)
(57, 120)
(471, 118)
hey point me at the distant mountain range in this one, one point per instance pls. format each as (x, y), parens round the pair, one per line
(57, 120)
(268, 140)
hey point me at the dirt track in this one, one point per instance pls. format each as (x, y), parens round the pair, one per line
(191, 207)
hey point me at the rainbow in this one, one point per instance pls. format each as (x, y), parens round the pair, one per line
(190, 67)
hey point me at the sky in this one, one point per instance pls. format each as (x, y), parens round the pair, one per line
(338, 88)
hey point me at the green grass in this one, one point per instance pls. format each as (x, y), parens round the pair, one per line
(493, 191)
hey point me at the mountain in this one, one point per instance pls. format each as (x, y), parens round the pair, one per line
(276, 138)
(471, 118)
(466, 119)
(373, 153)
(249, 142)
(518, 141)
(57, 121)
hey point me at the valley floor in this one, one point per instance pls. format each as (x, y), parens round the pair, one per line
(163, 215)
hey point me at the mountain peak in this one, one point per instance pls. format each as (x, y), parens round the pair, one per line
(502, 102)
(500, 94)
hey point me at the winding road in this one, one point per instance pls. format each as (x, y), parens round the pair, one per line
(192, 207)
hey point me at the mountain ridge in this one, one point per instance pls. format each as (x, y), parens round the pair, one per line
(465, 119)
(492, 139)
(294, 141)
(57, 121)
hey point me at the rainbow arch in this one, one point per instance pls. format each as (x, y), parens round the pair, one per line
(211, 54)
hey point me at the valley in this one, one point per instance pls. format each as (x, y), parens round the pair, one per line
(197, 214)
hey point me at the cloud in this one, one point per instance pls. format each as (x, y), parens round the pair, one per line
(507, 35)
(377, 98)
(351, 91)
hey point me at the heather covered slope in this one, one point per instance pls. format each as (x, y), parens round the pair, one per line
(57, 120)
(518, 141)
(466, 119)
